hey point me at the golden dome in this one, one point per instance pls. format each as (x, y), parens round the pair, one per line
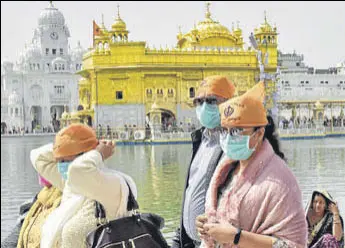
(318, 105)
(265, 27)
(119, 24)
(208, 28)
(237, 30)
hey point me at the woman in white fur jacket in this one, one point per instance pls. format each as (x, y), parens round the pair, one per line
(75, 164)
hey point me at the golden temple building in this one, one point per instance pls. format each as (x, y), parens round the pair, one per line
(127, 83)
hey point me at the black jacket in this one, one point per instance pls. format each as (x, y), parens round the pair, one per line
(181, 239)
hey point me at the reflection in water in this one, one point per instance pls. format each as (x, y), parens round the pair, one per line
(160, 171)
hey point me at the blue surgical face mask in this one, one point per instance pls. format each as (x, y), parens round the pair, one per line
(208, 115)
(236, 147)
(63, 168)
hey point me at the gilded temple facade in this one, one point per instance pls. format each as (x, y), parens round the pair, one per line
(127, 83)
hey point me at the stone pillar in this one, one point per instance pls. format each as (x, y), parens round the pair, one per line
(155, 124)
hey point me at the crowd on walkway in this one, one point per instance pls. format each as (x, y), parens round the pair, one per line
(238, 191)
(300, 123)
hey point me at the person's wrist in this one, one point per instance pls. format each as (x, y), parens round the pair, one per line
(100, 152)
(232, 233)
(237, 236)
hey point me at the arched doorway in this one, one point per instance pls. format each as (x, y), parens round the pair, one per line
(164, 117)
(36, 116)
(167, 120)
(56, 111)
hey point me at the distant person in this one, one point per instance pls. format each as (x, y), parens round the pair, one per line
(281, 124)
(100, 131)
(108, 132)
(325, 225)
(181, 127)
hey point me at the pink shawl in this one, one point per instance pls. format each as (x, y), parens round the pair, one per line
(266, 200)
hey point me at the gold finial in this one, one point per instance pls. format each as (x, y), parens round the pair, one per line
(238, 24)
(208, 13)
(103, 26)
(51, 4)
(233, 26)
(118, 11)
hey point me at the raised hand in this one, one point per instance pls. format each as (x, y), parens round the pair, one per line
(333, 208)
(106, 148)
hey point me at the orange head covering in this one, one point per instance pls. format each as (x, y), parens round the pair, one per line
(245, 111)
(216, 85)
(257, 91)
(73, 140)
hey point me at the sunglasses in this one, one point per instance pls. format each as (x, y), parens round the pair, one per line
(235, 131)
(208, 100)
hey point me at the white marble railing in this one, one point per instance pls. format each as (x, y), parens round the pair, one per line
(310, 131)
(133, 134)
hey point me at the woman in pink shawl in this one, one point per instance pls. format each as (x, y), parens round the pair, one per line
(254, 199)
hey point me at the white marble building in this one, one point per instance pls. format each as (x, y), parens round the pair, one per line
(300, 88)
(35, 89)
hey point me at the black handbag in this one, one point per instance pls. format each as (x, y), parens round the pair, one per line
(135, 231)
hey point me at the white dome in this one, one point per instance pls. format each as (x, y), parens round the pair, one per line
(14, 99)
(77, 53)
(51, 16)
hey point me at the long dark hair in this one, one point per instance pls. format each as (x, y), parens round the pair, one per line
(272, 137)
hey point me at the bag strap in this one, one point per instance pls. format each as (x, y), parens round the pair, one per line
(132, 205)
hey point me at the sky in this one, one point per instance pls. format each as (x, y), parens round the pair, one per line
(315, 29)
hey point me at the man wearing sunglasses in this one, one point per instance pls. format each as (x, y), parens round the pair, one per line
(206, 154)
